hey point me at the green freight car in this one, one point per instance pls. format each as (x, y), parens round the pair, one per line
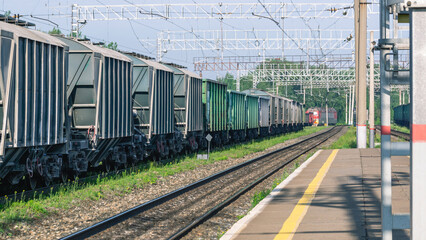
(237, 115)
(402, 115)
(215, 115)
(252, 103)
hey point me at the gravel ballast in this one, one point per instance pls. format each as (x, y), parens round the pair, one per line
(89, 212)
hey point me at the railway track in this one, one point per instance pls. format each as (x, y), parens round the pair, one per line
(403, 135)
(23, 193)
(175, 214)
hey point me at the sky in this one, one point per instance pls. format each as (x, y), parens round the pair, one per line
(131, 34)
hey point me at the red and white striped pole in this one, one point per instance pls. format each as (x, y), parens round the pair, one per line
(418, 119)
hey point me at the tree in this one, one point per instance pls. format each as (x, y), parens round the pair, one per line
(74, 35)
(55, 31)
(112, 45)
(229, 80)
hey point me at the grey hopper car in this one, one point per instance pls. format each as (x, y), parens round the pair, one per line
(188, 107)
(274, 109)
(32, 106)
(99, 99)
(286, 114)
(263, 116)
(153, 106)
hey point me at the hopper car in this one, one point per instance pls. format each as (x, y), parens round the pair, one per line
(70, 106)
(402, 115)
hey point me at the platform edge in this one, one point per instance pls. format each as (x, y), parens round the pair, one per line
(243, 222)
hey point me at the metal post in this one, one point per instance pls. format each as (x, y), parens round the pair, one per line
(418, 121)
(346, 108)
(159, 47)
(282, 40)
(386, 166)
(238, 79)
(371, 107)
(361, 75)
(326, 111)
(354, 91)
(409, 99)
(352, 105)
(208, 150)
(403, 97)
(400, 99)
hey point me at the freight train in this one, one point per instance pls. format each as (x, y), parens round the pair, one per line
(317, 116)
(68, 106)
(402, 115)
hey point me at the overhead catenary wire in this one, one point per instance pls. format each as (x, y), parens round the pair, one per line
(280, 27)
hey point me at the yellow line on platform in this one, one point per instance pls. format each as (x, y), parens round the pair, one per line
(293, 221)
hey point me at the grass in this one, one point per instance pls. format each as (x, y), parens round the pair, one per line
(347, 140)
(400, 128)
(42, 204)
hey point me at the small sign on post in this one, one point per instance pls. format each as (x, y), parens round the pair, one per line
(209, 139)
(206, 156)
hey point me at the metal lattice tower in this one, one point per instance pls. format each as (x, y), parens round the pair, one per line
(260, 40)
(210, 11)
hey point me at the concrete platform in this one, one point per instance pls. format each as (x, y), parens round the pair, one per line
(341, 202)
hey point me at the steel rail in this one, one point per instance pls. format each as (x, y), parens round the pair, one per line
(28, 194)
(396, 133)
(182, 232)
(118, 218)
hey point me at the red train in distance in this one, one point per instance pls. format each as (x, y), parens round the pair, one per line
(316, 116)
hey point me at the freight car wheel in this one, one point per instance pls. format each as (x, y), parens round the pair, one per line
(32, 182)
(47, 182)
(111, 166)
(64, 175)
(107, 166)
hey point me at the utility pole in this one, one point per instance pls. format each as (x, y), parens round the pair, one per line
(304, 99)
(371, 107)
(238, 79)
(350, 106)
(282, 40)
(360, 72)
(346, 108)
(353, 105)
(326, 111)
(403, 97)
(400, 100)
